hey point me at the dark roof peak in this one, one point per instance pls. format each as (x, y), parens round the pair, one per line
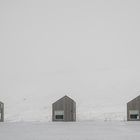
(64, 97)
(67, 97)
(1, 102)
(137, 98)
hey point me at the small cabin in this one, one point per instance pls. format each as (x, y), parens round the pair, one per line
(1, 112)
(64, 110)
(133, 109)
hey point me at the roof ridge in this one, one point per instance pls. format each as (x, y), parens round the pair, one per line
(66, 96)
(134, 98)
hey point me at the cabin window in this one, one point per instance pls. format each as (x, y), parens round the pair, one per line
(134, 114)
(59, 115)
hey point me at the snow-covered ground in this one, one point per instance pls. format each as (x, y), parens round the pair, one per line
(90, 130)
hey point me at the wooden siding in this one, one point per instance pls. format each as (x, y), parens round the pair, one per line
(67, 105)
(1, 112)
(133, 105)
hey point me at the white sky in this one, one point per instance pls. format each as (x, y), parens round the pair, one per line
(87, 49)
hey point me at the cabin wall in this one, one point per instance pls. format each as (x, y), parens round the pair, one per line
(69, 108)
(1, 112)
(60, 105)
(133, 106)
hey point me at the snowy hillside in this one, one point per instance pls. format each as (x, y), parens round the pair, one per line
(26, 110)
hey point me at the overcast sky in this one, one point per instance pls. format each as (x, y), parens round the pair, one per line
(87, 49)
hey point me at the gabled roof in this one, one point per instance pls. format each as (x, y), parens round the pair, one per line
(1, 102)
(63, 98)
(137, 98)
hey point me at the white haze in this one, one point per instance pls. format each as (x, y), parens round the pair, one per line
(87, 49)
